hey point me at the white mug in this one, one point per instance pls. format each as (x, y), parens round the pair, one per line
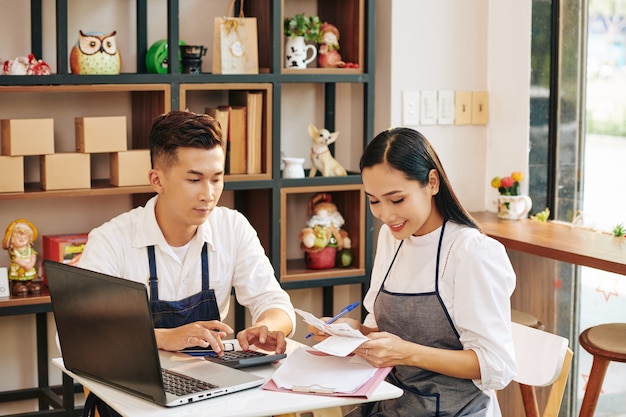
(293, 167)
(297, 52)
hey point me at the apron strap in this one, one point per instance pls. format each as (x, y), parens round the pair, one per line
(154, 280)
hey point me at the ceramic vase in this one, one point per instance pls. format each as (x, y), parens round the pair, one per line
(514, 207)
(322, 259)
(293, 167)
(297, 52)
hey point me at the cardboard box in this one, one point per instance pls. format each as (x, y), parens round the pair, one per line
(100, 134)
(62, 171)
(130, 167)
(11, 174)
(22, 137)
(65, 248)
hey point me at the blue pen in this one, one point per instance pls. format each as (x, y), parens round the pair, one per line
(338, 316)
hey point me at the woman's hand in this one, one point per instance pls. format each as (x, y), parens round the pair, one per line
(319, 335)
(199, 333)
(384, 349)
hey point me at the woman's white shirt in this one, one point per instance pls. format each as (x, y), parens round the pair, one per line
(476, 281)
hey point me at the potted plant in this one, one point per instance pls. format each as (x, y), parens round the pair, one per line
(308, 27)
(511, 205)
(299, 30)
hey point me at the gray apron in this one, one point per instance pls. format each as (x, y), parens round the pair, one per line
(423, 318)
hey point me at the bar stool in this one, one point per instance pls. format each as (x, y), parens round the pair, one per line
(525, 319)
(606, 342)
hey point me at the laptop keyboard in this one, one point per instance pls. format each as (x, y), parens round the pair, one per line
(183, 385)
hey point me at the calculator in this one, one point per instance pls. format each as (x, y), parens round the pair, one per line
(244, 358)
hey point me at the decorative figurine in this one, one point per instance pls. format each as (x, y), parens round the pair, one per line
(95, 53)
(324, 236)
(328, 56)
(23, 65)
(321, 158)
(18, 240)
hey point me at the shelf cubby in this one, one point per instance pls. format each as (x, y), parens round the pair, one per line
(197, 96)
(350, 202)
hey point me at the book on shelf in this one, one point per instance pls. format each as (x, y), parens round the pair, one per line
(253, 101)
(220, 113)
(236, 156)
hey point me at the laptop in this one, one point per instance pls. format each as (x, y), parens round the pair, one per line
(106, 333)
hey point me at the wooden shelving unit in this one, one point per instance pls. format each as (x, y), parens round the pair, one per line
(152, 94)
(261, 197)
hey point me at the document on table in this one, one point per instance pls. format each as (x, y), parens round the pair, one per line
(309, 371)
(343, 339)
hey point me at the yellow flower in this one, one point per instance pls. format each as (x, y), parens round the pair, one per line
(496, 182)
(517, 176)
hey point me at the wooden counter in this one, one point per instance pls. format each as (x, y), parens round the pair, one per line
(535, 249)
(563, 243)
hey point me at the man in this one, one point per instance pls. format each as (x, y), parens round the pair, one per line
(188, 251)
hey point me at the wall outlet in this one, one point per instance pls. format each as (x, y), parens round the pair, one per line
(480, 108)
(445, 101)
(410, 108)
(429, 107)
(463, 107)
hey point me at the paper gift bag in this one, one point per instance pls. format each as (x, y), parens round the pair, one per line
(235, 45)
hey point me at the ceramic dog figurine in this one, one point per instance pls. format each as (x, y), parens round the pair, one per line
(321, 158)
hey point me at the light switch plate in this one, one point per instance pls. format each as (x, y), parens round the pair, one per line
(428, 107)
(4, 283)
(463, 107)
(445, 100)
(410, 108)
(480, 108)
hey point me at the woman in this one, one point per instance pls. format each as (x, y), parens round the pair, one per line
(439, 300)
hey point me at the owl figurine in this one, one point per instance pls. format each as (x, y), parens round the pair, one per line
(95, 53)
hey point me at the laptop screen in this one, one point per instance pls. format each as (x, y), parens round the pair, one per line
(105, 329)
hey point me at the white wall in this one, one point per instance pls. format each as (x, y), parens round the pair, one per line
(421, 45)
(463, 46)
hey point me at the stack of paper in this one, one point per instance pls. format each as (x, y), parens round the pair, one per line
(312, 372)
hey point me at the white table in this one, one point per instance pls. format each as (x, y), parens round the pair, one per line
(255, 402)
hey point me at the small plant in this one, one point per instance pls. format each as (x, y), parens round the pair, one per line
(619, 230)
(542, 216)
(508, 185)
(307, 26)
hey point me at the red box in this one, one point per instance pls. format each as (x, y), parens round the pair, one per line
(63, 248)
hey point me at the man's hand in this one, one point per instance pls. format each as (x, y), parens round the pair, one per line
(199, 333)
(263, 338)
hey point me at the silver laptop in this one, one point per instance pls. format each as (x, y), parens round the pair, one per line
(106, 333)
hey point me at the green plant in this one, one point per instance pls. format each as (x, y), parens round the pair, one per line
(619, 230)
(307, 26)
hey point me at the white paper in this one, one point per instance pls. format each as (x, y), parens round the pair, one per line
(302, 370)
(343, 339)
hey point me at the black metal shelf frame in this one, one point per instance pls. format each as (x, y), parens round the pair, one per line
(274, 76)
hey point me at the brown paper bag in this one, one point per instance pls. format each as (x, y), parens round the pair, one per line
(235, 44)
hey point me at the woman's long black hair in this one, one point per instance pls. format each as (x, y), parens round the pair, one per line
(408, 151)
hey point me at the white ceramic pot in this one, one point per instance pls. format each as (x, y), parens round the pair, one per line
(297, 52)
(293, 167)
(514, 207)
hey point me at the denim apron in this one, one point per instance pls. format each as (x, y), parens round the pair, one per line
(422, 318)
(198, 307)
